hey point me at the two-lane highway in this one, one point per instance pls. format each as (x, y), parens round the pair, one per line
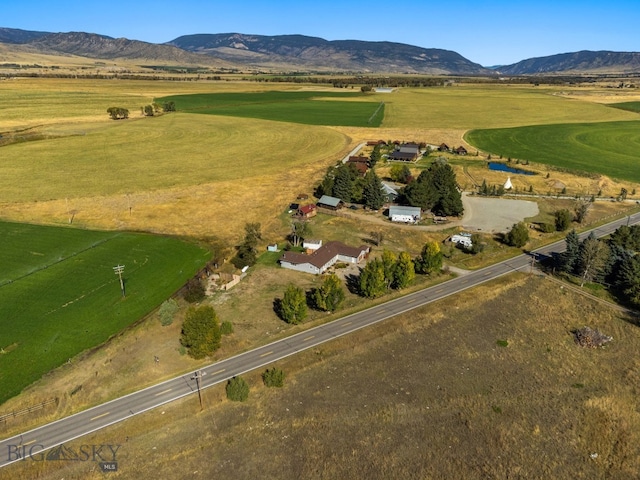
(43, 438)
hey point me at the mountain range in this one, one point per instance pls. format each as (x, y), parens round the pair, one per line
(286, 53)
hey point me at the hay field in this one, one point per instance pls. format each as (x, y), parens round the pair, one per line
(431, 394)
(184, 174)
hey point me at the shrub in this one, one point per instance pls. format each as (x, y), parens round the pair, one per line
(273, 377)
(194, 291)
(547, 227)
(200, 331)
(237, 389)
(167, 311)
(518, 236)
(226, 328)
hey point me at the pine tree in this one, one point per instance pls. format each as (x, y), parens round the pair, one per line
(372, 193)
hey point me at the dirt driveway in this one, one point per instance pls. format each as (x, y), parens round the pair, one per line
(494, 214)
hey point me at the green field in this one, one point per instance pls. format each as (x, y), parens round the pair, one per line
(59, 294)
(309, 108)
(629, 106)
(610, 148)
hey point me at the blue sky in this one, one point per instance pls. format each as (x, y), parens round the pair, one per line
(487, 32)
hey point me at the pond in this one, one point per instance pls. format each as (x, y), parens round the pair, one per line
(506, 168)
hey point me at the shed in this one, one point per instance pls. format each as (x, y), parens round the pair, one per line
(332, 203)
(405, 214)
(460, 150)
(307, 211)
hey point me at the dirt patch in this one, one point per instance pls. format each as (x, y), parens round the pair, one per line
(495, 214)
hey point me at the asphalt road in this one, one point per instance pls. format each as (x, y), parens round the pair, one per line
(43, 438)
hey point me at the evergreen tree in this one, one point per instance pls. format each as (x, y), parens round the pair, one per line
(569, 258)
(375, 156)
(237, 389)
(518, 236)
(563, 219)
(372, 193)
(343, 185)
(630, 278)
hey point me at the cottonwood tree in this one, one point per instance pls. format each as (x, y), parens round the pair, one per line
(372, 280)
(430, 259)
(404, 272)
(389, 261)
(581, 209)
(118, 113)
(299, 230)
(330, 296)
(592, 258)
(293, 306)
(201, 331)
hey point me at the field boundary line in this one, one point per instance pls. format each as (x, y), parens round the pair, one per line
(60, 260)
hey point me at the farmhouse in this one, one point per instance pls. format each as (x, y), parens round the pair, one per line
(324, 257)
(405, 214)
(307, 211)
(443, 147)
(406, 152)
(460, 150)
(390, 193)
(463, 239)
(331, 203)
(361, 164)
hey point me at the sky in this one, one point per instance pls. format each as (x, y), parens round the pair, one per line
(490, 33)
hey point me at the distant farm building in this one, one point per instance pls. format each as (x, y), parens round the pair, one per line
(361, 164)
(324, 257)
(460, 150)
(406, 152)
(373, 143)
(389, 192)
(331, 203)
(302, 196)
(405, 214)
(443, 147)
(383, 89)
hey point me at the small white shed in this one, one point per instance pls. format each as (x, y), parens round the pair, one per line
(405, 214)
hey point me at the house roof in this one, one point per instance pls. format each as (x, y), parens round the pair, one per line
(324, 254)
(397, 210)
(331, 201)
(398, 155)
(307, 208)
(388, 189)
(355, 159)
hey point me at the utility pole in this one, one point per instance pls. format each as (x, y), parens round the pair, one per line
(118, 269)
(197, 375)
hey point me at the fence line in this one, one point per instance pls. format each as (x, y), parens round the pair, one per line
(28, 410)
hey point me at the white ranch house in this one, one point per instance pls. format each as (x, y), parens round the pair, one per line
(323, 258)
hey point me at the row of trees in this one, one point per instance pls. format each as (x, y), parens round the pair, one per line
(436, 189)
(293, 307)
(152, 109)
(614, 262)
(344, 182)
(118, 113)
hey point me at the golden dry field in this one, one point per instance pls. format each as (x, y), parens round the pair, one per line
(185, 174)
(432, 394)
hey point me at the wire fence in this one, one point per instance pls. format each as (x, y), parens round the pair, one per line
(28, 410)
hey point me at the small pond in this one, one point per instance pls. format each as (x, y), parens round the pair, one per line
(502, 167)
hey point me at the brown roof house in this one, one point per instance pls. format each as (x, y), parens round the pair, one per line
(406, 152)
(324, 257)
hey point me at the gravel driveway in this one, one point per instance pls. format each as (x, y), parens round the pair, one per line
(494, 214)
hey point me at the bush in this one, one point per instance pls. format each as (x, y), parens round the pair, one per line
(194, 291)
(201, 331)
(167, 311)
(563, 219)
(547, 227)
(273, 377)
(237, 389)
(518, 236)
(226, 328)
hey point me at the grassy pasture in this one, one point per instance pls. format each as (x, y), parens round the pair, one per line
(629, 106)
(489, 106)
(59, 294)
(433, 393)
(609, 148)
(306, 107)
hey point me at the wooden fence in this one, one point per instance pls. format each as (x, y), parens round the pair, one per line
(28, 410)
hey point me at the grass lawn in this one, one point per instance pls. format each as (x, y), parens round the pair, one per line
(308, 107)
(59, 294)
(609, 148)
(629, 106)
